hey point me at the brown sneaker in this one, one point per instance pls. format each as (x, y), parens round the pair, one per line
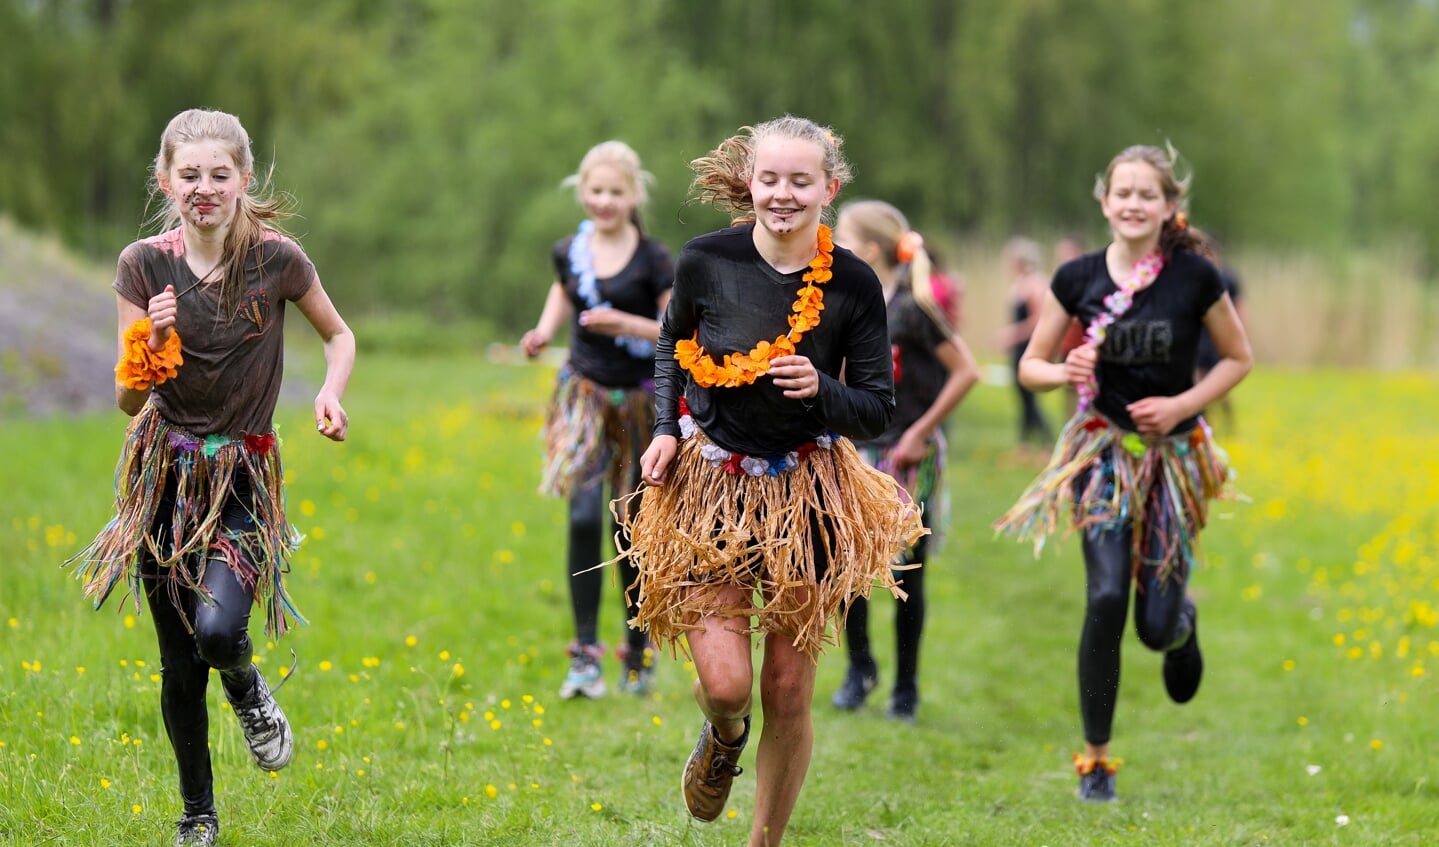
(710, 772)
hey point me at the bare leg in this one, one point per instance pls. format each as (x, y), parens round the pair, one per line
(722, 653)
(787, 740)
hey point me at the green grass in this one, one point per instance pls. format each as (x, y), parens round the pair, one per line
(429, 552)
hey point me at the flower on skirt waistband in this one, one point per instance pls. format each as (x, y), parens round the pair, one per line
(736, 464)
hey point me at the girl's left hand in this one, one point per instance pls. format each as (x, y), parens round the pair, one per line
(605, 321)
(1155, 416)
(909, 450)
(330, 418)
(796, 375)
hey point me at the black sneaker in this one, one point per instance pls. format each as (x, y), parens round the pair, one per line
(267, 733)
(1184, 665)
(856, 687)
(903, 704)
(197, 831)
(1096, 779)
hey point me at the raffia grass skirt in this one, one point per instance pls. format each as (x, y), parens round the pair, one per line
(803, 542)
(594, 434)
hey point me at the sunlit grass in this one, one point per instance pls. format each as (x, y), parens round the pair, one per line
(424, 705)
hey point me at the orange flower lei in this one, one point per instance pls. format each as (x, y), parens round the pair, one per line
(744, 368)
(140, 367)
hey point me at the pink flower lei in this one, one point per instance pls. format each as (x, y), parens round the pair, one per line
(1145, 271)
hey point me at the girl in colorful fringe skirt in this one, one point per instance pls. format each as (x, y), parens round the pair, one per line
(933, 371)
(200, 528)
(1136, 467)
(611, 280)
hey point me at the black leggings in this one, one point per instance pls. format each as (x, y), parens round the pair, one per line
(908, 622)
(1162, 618)
(589, 522)
(220, 640)
(1032, 424)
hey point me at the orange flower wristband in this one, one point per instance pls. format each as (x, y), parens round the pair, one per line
(140, 367)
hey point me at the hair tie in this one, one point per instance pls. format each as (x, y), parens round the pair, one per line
(1181, 220)
(909, 244)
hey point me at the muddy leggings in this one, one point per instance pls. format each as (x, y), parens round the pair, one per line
(220, 640)
(588, 522)
(1162, 618)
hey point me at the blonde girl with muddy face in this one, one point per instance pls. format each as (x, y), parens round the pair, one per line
(200, 529)
(1137, 465)
(758, 518)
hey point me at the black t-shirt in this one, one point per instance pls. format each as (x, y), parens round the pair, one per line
(919, 375)
(728, 293)
(635, 289)
(1150, 351)
(1208, 356)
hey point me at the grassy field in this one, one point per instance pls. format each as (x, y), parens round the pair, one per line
(425, 710)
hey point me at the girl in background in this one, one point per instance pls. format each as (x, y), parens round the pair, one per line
(610, 282)
(1136, 466)
(933, 371)
(757, 514)
(1027, 284)
(200, 527)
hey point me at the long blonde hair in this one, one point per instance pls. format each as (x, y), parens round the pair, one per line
(258, 209)
(901, 249)
(722, 176)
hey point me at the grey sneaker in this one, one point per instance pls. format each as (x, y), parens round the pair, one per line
(267, 733)
(197, 831)
(584, 678)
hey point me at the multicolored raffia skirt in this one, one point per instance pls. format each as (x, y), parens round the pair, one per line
(593, 433)
(922, 481)
(1108, 478)
(200, 471)
(803, 532)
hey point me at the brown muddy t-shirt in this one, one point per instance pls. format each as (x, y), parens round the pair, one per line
(230, 379)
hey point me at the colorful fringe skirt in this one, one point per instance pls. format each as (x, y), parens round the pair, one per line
(593, 434)
(804, 532)
(923, 482)
(200, 473)
(1108, 478)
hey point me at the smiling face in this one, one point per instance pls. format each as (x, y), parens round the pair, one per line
(205, 184)
(1134, 203)
(609, 196)
(789, 186)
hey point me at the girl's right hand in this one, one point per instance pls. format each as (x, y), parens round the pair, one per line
(655, 463)
(1079, 365)
(533, 342)
(162, 310)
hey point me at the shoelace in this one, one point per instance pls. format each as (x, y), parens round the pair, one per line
(261, 716)
(720, 767)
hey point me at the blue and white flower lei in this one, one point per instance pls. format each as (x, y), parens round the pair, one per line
(582, 265)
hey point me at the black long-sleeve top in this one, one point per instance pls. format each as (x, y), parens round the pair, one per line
(733, 298)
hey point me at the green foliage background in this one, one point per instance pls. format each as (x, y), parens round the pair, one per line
(426, 139)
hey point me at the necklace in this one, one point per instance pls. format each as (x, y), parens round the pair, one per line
(1145, 271)
(744, 368)
(582, 265)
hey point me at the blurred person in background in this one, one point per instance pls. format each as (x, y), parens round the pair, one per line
(933, 371)
(1027, 285)
(1136, 467)
(611, 280)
